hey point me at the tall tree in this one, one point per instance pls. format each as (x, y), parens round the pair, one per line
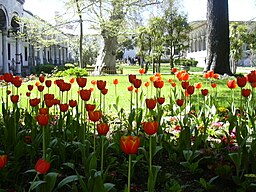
(218, 37)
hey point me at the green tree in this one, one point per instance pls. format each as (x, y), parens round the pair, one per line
(218, 37)
(238, 32)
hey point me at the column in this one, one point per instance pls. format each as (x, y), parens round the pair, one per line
(4, 51)
(18, 57)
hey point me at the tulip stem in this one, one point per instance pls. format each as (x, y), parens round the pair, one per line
(102, 150)
(129, 173)
(44, 156)
(150, 153)
(94, 137)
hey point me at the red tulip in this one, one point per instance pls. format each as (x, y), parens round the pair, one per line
(40, 88)
(63, 107)
(130, 88)
(151, 103)
(190, 89)
(252, 77)
(42, 166)
(246, 92)
(72, 103)
(147, 84)
(94, 115)
(85, 94)
(132, 78)
(115, 81)
(104, 91)
(8, 77)
(160, 100)
(93, 82)
(102, 128)
(49, 102)
(30, 87)
(81, 81)
(142, 71)
(158, 84)
(204, 92)
(16, 81)
(184, 84)
(15, 98)
(44, 111)
(198, 85)
(241, 81)
(8, 92)
(3, 161)
(101, 84)
(48, 96)
(180, 102)
(137, 83)
(72, 80)
(150, 127)
(34, 102)
(42, 119)
(59, 82)
(130, 144)
(56, 101)
(174, 70)
(231, 84)
(90, 107)
(48, 83)
(41, 78)
(28, 94)
(213, 85)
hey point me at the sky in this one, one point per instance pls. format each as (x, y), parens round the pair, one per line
(239, 10)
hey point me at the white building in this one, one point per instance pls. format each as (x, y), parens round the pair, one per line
(19, 54)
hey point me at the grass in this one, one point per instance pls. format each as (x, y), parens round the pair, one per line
(222, 92)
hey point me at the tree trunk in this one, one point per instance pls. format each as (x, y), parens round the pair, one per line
(110, 47)
(218, 37)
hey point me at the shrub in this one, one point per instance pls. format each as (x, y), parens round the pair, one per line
(44, 68)
(185, 62)
(75, 71)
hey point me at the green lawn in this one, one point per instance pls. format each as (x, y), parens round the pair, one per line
(222, 92)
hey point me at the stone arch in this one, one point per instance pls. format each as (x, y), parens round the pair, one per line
(3, 18)
(15, 26)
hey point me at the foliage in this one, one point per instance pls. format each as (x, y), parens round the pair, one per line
(74, 71)
(185, 62)
(44, 68)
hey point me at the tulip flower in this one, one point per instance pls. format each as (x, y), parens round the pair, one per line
(213, 85)
(85, 94)
(30, 87)
(64, 107)
(81, 81)
(48, 96)
(142, 71)
(28, 94)
(49, 102)
(130, 144)
(16, 81)
(174, 70)
(241, 81)
(94, 115)
(190, 89)
(204, 92)
(246, 92)
(42, 119)
(132, 78)
(198, 85)
(231, 84)
(8, 77)
(102, 128)
(44, 111)
(101, 84)
(48, 83)
(42, 166)
(3, 161)
(159, 84)
(15, 98)
(160, 100)
(150, 127)
(184, 84)
(90, 107)
(72, 103)
(40, 88)
(130, 88)
(34, 102)
(41, 78)
(180, 102)
(137, 83)
(151, 103)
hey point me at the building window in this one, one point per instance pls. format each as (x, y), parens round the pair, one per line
(26, 54)
(9, 51)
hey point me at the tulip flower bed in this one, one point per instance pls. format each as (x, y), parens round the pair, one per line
(70, 138)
